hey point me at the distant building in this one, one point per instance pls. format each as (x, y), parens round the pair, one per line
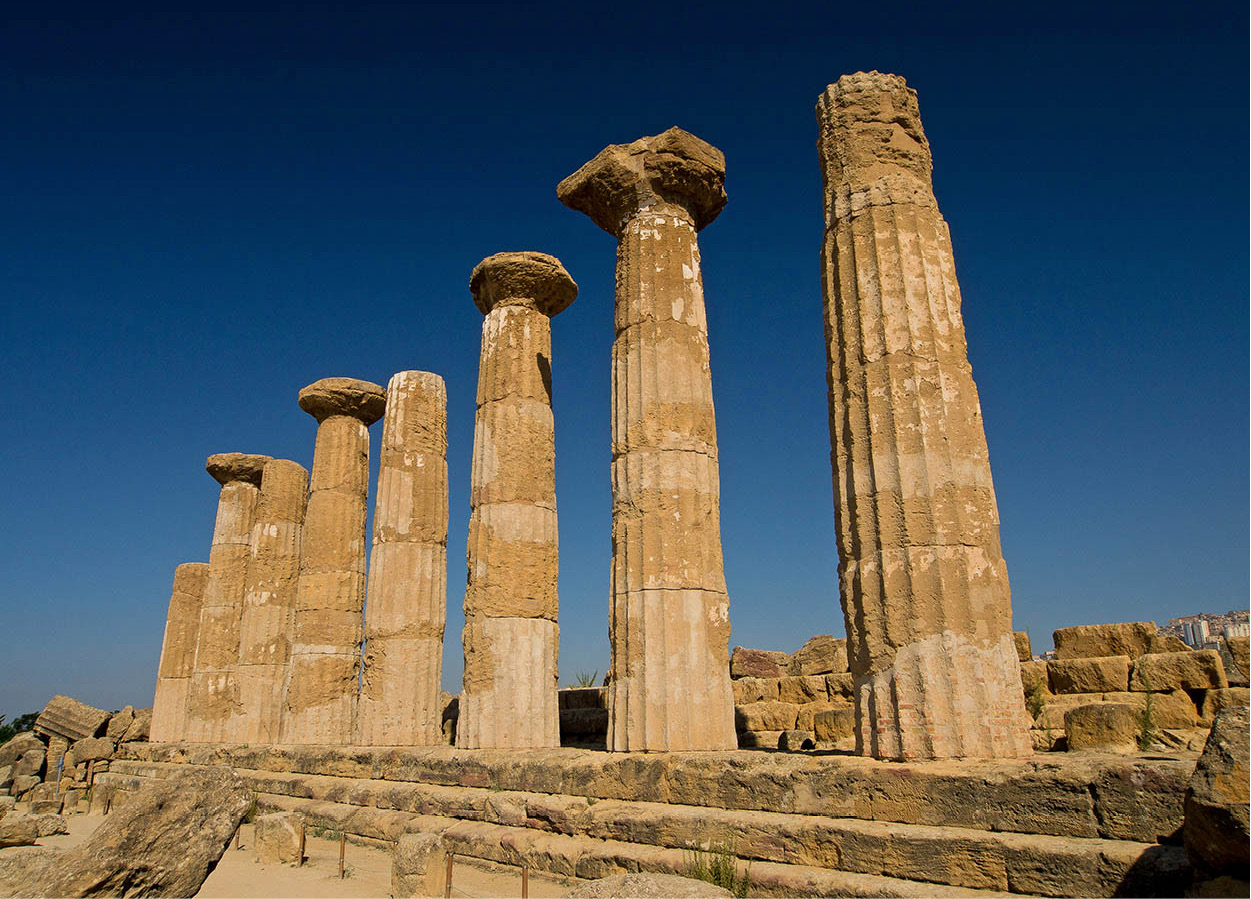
(1195, 632)
(1241, 629)
(1207, 627)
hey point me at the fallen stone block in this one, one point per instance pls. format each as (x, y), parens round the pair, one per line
(1100, 640)
(755, 689)
(807, 717)
(93, 749)
(120, 723)
(1034, 677)
(1196, 670)
(18, 830)
(417, 866)
(774, 716)
(1217, 701)
(164, 843)
(799, 689)
(277, 838)
(840, 686)
(6, 778)
(823, 654)
(31, 762)
(71, 719)
(45, 807)
(1240, 653)
(23, 784)
(834, 725)
(48, 823)
(21, 744)
(1174, 710)
(1093, 675)
(1024, 652)
(138, 730)
(1216, 831)
(759, 739)
(796, 740)
(1048, 740)
(1108, 726)
(757, 663)
(1054, 708)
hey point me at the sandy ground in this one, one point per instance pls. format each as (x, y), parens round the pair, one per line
(367, 870)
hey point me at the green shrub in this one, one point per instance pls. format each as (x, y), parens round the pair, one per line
(718, 865)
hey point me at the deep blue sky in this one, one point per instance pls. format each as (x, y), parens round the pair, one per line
(205, 208)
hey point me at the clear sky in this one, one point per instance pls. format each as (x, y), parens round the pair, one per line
(204, 208)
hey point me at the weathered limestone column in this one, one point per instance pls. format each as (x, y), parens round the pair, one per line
(923, 581)
(406, 610)
(173, 678)
(320, 696)
(269, 602)
(669, 625)
(214, 695)
(511, 637)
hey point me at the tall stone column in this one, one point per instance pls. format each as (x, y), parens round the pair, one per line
(266, 625)
(320, 696)
(173, 678)
(214, 696)
(923, 581)
(406, 610)
(670, 626)
(511, 635)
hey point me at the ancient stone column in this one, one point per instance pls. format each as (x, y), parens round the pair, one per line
(266, 626)
(173, 678)
(214, 696)
(669, 626)
(320, 696)
(406, 609)
(923, 581)
(511, 638)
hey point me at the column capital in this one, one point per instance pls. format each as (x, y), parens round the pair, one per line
(227, 467)
(522, 279)
(672, 168)
(363, 400)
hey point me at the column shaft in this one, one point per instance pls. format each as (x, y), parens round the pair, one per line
(669, 624)
(405, 613)
(320, 703)
(267, 621)
(173, 679)
(214, 696)
(511, 635)
(923, 582)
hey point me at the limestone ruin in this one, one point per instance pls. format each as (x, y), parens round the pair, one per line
(923, 581)
(930, 753)
(669, 597)
(407, 591)
(319, 705)
(508, 696)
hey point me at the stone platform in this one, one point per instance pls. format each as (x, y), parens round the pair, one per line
(809, 824)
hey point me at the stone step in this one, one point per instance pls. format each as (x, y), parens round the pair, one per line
(959, 857)
(1093, 795)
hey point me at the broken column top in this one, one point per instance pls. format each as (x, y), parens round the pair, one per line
(70, 719)
(344, 396)
(674, 167)
(522, 279)
(871, 132)
(227, 467)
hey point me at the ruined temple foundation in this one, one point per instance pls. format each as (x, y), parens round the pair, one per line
(269, 602)
(508, 698)
(173, 679)
(669, 621)
(923, 581)
(214, 691)
(319, 705)
(400, 702)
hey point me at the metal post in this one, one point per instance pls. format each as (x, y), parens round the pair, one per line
(300, 863)
(447, 887)
(342, 847)
(525, 882)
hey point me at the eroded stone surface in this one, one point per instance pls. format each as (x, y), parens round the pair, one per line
(1108, 726)
(922, 578)
(71, 719)
(213, 692)
(319, 702)
(1131, 638)
(401, 702)
(417, 866)
(669, 620)
(182, 629)
(646, 886)
(277, 838)
(510, 636)
(1093, 675)
(267, 621)
(1217, 832)
(1191, 670)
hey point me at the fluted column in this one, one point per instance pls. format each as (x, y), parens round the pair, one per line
(923, 581)
(669, 627)
(214, 695)
(320, 697)
(406, 610)
(511, 635)
(173, 678)
(266, 625)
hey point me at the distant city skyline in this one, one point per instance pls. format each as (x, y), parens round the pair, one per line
(208, 208)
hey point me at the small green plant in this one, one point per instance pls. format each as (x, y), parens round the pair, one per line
(1147, 732)
(250, 815)
(585, 679)
(717, 865)
(1036, 699)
